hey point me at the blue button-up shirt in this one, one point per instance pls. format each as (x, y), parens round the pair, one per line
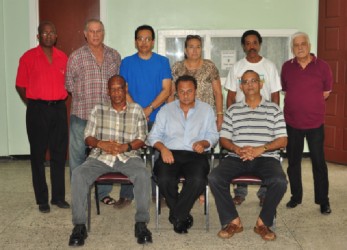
(178, 132)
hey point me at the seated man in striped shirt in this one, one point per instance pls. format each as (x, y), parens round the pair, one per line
(253, 131)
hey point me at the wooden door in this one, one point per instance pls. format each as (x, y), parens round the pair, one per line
(332, 47)
(69, 17)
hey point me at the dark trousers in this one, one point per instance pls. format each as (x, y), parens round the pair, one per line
(47, 128)
(267, 168)
(295, 147)
(194, 168)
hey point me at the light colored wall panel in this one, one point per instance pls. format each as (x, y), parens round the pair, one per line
(121, 19)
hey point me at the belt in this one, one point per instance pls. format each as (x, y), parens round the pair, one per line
(49, 103)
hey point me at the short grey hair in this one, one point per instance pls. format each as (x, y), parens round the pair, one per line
(93, 20)
(297, 34)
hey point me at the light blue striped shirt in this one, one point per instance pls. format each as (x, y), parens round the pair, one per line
(179, 133)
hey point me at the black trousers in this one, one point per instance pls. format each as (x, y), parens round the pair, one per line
(47, 128)
(194, 168)
(295, 147)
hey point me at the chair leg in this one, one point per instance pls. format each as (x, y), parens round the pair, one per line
(157, 207)
(89, 201)
(207, 208)
(97, 199)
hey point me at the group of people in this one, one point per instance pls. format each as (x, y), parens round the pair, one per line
(119, 106)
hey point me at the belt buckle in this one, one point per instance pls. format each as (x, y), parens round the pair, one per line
(50, 103)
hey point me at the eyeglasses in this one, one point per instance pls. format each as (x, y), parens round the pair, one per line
(45, 34)
(250, 82)
(144, 39)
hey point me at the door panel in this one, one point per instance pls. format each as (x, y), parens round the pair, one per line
(332, 47)
(69, 17)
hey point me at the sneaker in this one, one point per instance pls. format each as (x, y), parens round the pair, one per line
(79, 234)
(142, 233)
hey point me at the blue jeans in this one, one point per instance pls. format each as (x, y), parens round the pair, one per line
(242, 191)
(295, 147)
(77, 150)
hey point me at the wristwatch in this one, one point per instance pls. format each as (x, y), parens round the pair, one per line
(265, 148)
(151, 106)
(129, 147)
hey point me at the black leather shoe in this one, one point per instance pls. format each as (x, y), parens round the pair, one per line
(292, 204)
(172, 219)
(142, 233)
(180, 226)
(61, 204)
(44, 208)
(79, 234)
(189, 221)
(325, 209)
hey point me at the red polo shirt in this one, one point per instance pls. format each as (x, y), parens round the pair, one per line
(42, 80)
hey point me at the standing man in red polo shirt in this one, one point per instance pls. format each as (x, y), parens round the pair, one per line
(40, 84)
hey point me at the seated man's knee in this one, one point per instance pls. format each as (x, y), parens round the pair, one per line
(279, 183)
(143, 174)
(213, 177)
(196, 183)
(163, 180)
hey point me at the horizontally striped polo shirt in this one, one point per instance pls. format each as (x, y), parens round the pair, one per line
(245, 126)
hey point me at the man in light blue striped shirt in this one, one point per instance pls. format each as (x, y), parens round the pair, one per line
(253, 131)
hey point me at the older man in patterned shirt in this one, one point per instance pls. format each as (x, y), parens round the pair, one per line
(115, 132)
(88, 71)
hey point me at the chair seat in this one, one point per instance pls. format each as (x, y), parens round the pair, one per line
(247, 179)
(112, 178)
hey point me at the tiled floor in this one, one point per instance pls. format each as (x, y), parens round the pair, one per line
(23, 227)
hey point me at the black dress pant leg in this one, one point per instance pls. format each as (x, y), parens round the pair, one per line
(37, 130)
(58, 141)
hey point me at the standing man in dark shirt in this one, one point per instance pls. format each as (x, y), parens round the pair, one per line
(40, 84)
(307, 82)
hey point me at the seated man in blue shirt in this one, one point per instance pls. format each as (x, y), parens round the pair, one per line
(182, 132)
(253, 130)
